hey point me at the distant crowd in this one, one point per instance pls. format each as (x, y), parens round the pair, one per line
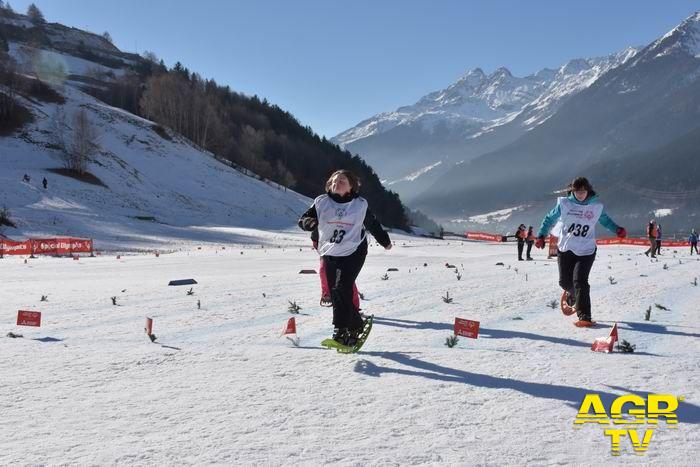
(526, 237)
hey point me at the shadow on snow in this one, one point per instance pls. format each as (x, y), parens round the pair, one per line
(572, 396)
(486, 332)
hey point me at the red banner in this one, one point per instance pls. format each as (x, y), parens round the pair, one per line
(466, 328)
(487, 237)
(46, 246)
(8, 247)
(639, 242)
(483, 236)
(28, 318)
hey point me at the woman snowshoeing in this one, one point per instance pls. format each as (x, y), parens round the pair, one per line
(342, 218)
(577, 213)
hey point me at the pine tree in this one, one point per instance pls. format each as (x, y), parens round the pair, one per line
(35, 15)
(451, 341)
(626, 347)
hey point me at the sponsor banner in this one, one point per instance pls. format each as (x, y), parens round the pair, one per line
(61, 246)
(8, 247)
(486, 237)
(552, 240)
(46, 246)
(666, 243)
(466, 328)
(639, 242)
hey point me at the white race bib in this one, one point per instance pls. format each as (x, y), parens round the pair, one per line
(578, 223)
(340, 225)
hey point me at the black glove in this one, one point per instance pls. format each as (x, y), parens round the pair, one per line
(309, 223)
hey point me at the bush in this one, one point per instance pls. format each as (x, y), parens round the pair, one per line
(5, 217)
(12, 115)
(162, 132)
(85, 177)
(45, 93)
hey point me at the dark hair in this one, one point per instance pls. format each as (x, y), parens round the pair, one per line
(581, 183)
(352, 178)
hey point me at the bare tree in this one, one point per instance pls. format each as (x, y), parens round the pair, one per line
(59, 128)
(83, 144)
(107, 36)
(150, 56)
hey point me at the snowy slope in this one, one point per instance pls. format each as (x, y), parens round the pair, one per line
(89, 388)
(179, 191)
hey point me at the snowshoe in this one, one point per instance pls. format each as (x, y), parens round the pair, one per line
(584, 323)
(350, 341)
(567, 303)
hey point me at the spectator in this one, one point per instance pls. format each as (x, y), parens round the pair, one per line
(693, 239)
(651, 234)
(530, 240)
(521, 235)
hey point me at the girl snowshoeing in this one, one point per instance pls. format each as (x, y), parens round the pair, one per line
(577, 213)
(342, 218)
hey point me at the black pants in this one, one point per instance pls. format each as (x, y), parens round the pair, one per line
(573, 277)
(694, 245)
(521, 244)
(652, 247)
(341, 272)
(658, 247)
(529, 249)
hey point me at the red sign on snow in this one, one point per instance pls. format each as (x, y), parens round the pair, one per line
(466, 328)
(28, 318)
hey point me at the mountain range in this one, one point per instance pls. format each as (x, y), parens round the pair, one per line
(495, 143)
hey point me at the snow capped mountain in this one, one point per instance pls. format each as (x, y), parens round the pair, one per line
(632, 116)
(569, 79)
(477, 102)
(476, 115)
(685, 37)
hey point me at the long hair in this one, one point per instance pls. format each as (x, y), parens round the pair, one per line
(352, 178)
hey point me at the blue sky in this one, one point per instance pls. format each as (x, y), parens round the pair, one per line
(335, 63)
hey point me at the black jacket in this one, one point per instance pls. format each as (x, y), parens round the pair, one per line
(309, 220)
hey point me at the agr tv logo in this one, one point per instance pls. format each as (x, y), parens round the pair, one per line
(638, 412)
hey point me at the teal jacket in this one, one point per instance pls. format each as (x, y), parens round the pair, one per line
(553, 216)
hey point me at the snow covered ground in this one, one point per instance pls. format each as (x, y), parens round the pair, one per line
(221, 386)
